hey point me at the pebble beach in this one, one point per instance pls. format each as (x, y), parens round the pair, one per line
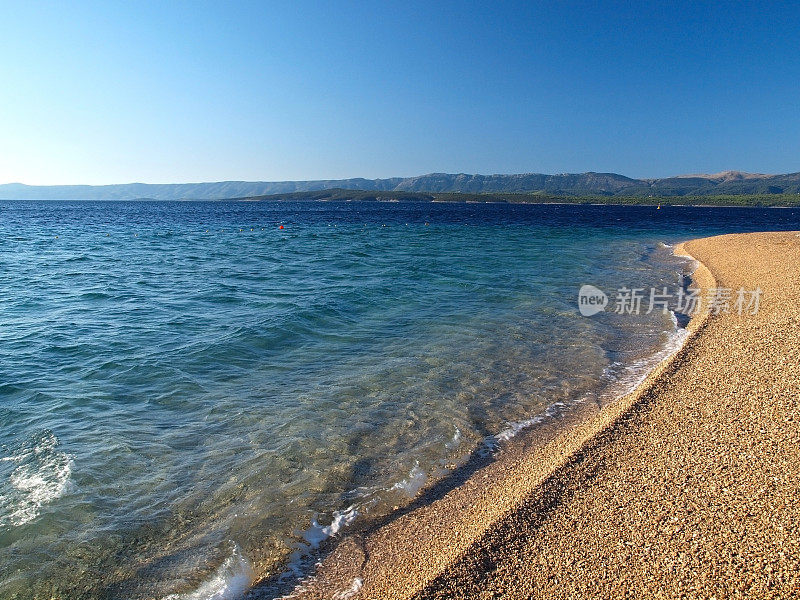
(687, 487)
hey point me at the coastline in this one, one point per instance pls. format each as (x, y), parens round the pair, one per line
(693, 491)
(432, 551)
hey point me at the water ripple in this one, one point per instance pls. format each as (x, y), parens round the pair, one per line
(188, 393)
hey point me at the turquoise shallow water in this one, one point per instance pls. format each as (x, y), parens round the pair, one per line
(191, 398)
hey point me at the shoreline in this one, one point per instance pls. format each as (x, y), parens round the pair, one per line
(401, 556)
(693, 491)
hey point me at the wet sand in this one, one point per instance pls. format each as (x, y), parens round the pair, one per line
(688, 487)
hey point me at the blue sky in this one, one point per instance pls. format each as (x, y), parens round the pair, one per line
(113, 92)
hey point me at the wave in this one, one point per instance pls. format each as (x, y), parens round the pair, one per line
(230, 581)
(303, 557)
(42, 474)
(413, 483)
(492, 442)
(627, 377)
(317, 533)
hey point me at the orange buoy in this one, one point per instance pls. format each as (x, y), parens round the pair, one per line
(281, 227)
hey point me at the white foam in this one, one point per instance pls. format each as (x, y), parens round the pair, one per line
(317, 533)
(492, 442)
(632, 375)
(300, 559)
(354, 588)
(230, 581)
(413, 483)
(674, 319)
(610, 372)
(454, 443)
(515, 427)
(42, 475)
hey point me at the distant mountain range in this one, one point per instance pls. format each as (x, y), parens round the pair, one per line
(582, 184)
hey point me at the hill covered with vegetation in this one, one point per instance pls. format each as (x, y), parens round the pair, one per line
(728, 183)
(343, 195)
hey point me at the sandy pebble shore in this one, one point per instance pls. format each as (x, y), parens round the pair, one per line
(687, 488)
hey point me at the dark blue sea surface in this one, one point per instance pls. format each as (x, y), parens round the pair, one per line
(192, 397)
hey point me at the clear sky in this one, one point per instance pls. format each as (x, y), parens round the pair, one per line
(115, 92)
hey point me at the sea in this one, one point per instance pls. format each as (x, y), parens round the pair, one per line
(195, 396)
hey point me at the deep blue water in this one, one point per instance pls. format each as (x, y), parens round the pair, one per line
(191, 397)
